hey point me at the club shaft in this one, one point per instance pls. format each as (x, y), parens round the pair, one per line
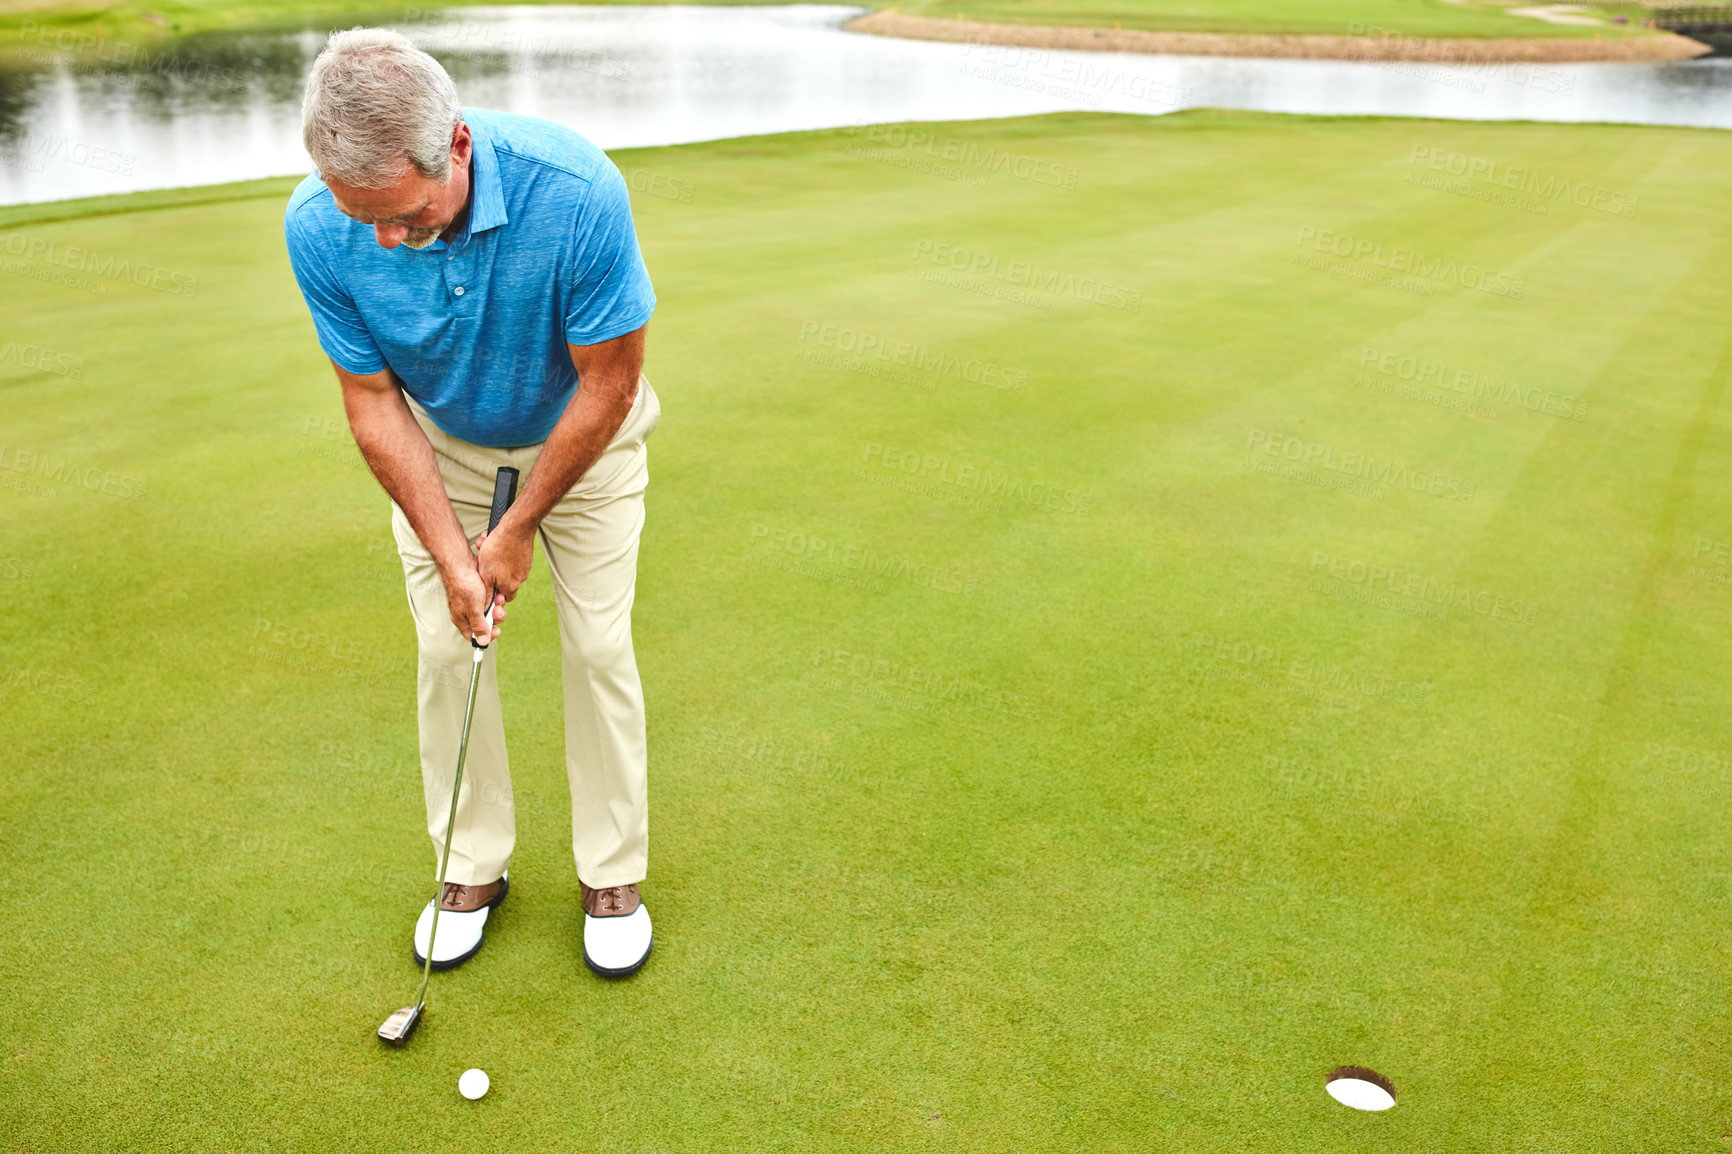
(451, 822)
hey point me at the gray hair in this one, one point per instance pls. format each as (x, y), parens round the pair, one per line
(376, 105)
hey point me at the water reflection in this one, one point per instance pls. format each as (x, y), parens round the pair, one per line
(204, 72)
(224, 106)
(212, 70)
(17, 95)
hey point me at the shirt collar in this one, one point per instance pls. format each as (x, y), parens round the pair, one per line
(487, 196)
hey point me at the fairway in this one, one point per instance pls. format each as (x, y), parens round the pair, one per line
(1426, 18)
(25, 22)
(1134, 614)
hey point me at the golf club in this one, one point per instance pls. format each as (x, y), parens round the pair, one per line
(401, 1024)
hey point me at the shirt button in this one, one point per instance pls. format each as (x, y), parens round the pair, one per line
(458, 290)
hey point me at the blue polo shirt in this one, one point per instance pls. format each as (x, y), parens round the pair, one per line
(476, 328)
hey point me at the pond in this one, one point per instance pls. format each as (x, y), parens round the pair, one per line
(225, 106)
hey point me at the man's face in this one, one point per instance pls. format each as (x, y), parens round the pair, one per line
(416, 209)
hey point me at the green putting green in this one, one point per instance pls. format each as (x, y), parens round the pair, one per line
(1135, 614)
(1471, 19)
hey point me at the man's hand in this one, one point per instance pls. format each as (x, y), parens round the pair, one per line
(398, 453)
(503, 558)
(607, 376)
(466, 594)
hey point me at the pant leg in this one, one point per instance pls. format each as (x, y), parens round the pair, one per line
(486, 830)
(590, 540)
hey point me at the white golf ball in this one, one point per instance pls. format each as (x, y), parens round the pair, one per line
(472, 1084)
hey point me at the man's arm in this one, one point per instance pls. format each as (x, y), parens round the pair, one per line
(607, 376)
(399, 454)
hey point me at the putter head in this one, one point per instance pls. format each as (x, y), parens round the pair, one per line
(400, 1025)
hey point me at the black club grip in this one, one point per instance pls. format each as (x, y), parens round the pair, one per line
(504, 493)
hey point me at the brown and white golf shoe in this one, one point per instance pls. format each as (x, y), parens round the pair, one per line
(616, 930)
(462, 918)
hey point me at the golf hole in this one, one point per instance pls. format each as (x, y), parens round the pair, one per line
(1360, 1088)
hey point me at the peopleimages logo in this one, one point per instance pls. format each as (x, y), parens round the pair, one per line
(1424, 588)
(975, 478)
(1022, 274)
(103, 265)
(1718, 555)
(817, 556)
(42, 148)
(1080, 76)
(926, 688)
(525, 55)
(1386, 472)
(652, 183)
(1411, 261)
(965, 154)
(1463, 57)
(93, 52)
(906, 354)
(1473, 385)
(1541, 186)
(41, 358)
(58, 470)
(1275, 667)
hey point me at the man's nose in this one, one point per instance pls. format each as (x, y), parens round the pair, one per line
(390, 235)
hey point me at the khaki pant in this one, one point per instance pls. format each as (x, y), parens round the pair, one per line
(589, 542)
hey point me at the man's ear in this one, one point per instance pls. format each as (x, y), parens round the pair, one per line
(461, 144)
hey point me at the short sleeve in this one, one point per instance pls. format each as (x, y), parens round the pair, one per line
(610, 292)
(342, 333)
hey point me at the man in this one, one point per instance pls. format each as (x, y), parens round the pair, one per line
(475, 280)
